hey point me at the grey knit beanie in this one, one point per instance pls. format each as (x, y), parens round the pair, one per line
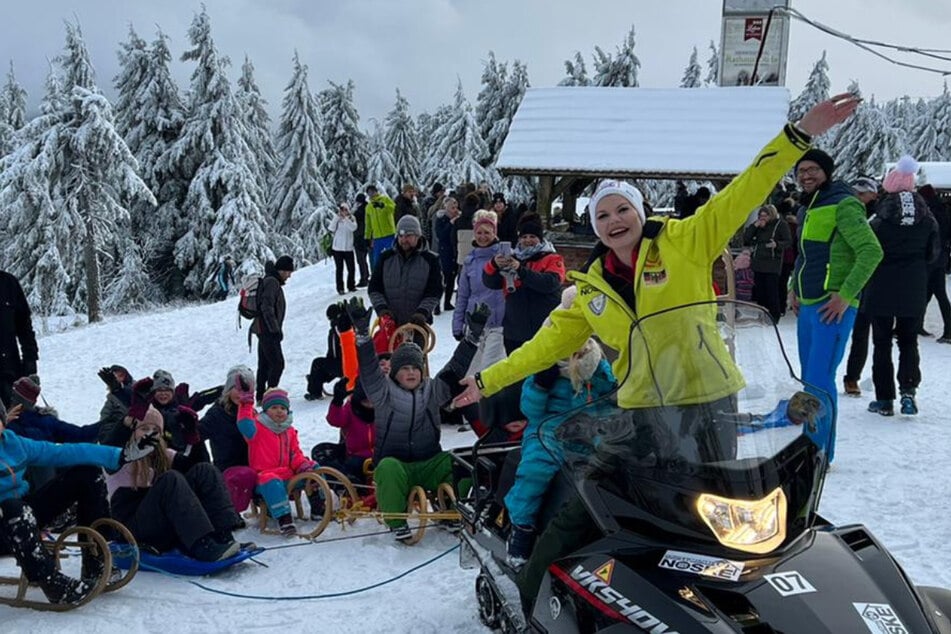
(407, 354)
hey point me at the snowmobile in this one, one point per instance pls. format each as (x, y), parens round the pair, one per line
(703, 507)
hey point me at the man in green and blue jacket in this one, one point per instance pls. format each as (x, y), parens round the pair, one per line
(838, 252)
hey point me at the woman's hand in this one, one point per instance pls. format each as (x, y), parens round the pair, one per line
(469, 395)
(828, 113)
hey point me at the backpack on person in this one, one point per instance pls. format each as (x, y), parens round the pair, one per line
(248, 297)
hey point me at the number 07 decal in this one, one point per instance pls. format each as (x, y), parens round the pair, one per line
(789, 583)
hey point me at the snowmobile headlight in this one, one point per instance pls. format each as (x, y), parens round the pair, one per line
(753, 526)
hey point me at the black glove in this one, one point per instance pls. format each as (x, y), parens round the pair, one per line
(545, 379)
(109, 379)
(141, 391)
(419, 318)
(476, 320)
(342, 323)
(458, 337)
(340, 391)
(138, 449)
(359, 315)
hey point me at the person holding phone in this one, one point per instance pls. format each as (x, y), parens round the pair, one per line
(530, 277)
(343, 227)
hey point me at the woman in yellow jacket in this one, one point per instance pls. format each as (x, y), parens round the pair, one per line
(646, 266)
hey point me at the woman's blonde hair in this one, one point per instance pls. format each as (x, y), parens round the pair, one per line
(770, 210)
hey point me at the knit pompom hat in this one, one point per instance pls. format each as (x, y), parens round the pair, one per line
(275, 396)
(901, 178)
(162, 380)
(621, 188)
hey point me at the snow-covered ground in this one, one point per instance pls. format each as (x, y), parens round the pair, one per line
(891, 474)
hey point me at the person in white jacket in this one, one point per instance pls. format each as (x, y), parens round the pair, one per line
(342, 227)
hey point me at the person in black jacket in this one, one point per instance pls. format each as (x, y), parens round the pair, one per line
(406, 281)
(769, 236)
(894, 298)
(18, 349)
(937, 275)
(269, 324)
(361, 249)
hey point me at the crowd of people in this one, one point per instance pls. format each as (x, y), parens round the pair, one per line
(527, 349)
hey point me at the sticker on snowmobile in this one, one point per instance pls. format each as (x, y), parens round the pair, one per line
(616, 604)
(725, 569)
(880, 618)
(554, 606)
(789, 583)
(605, 572)
(597, 304)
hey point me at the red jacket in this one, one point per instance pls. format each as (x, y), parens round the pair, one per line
(271, 455)
(357, 433)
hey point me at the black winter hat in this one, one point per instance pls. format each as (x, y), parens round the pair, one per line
(284, 263)
(531, 224)
(821, 159)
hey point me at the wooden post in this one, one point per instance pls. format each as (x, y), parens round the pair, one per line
(546, 184)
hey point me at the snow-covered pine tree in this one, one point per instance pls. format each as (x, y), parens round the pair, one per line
(459, 151)
(401, 144)
(381, 165)
(77, 175)
(864, 143)
(257, 123)
(133, 57)
(933, 139)
(619, 69)
(225, 205)
(691, 78)
(345, 165)
(575, 72)
(815, 90)
(299, 193)
(12, 111)
(490, 106)
(713, 67)
(152, 116)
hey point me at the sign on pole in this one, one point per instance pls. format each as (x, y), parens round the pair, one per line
(743, 30)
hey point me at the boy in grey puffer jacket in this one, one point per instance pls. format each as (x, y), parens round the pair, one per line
(407, 452)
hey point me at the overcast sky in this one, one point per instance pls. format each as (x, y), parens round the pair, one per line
(421, 46)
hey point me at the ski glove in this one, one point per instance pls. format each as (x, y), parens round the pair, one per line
(476, 320)
(138, 449)
(141, 391)
(181, 393)
(340, 391)
(359, 315)
(188, 419)
(419, 318)
(109, 379)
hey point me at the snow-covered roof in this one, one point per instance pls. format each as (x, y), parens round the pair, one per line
(642, 132)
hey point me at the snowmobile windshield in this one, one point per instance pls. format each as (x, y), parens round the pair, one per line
(719, 441)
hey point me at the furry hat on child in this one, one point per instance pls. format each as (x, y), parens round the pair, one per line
(275, 396)
(484, 217)
(162, 380)
(26, 390)
(234, 373)
(901, 178)
(581, 366)
(620, 188)
(406, 354)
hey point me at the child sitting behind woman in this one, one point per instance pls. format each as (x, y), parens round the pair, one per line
(547, 398)
(274, 453)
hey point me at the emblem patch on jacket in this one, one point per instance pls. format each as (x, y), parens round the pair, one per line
(598, 304)
(655, 278)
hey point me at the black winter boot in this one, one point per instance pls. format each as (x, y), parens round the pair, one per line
(21, 534)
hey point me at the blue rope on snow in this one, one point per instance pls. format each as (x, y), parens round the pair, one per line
(329, 595)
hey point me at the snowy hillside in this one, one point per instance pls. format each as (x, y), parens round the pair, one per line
(891, 474)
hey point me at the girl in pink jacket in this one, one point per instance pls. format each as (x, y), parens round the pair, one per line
(275, 454)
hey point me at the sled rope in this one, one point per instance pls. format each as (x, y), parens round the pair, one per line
(306, 597)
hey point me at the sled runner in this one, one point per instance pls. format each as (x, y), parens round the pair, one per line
(71, 544)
